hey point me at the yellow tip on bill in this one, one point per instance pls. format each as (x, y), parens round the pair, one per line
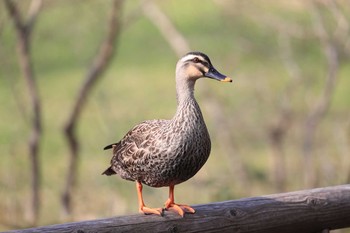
(227, 79)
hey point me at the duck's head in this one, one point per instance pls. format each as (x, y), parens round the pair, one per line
(195, 65)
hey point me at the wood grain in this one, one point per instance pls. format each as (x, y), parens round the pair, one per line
(308, 211)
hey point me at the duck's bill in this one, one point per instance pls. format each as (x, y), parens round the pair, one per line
(214, 74)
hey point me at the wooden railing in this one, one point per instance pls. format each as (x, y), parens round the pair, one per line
(309, 211)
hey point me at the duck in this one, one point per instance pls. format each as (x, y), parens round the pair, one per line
(165, 153)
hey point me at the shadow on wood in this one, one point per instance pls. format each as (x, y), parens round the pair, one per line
(314, 210)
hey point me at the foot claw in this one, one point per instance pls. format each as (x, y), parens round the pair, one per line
(180, 209)
(147, 210)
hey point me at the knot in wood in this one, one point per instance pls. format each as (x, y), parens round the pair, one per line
(234, 213)
(173, 229)
(315, 203)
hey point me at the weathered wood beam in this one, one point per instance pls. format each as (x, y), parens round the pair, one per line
(314, 210)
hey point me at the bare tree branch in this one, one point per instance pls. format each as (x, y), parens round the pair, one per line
(342, 32)
(177, 42)
(282, 123)
(322, 105)
(33, 11)
(224, 136)
(23, 31)
(97, 68)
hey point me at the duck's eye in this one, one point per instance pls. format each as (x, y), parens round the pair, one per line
(196, 60)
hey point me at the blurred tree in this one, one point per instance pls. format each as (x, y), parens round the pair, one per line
(24, 29)
(323, 27)
(332, 55)
(175, 39)
(283, 121)
(98, 67)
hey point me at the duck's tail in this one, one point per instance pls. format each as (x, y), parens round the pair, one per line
(109, 172)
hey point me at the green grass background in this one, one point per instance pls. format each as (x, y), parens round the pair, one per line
(140, 85)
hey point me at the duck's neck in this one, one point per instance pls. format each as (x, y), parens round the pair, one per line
(184, 91)
(187, 106)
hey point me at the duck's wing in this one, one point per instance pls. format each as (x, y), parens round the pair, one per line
(138, 135)
(134, 146)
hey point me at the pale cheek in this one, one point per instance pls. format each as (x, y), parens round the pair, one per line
(194, 72)
(206, 69)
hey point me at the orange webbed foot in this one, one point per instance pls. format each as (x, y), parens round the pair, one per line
(179, 208)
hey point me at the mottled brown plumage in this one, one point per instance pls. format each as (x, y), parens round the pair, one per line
(168, 152)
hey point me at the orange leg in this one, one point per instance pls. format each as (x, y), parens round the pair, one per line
(179, 208)
(142, 207)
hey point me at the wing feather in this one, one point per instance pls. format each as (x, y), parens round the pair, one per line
(132, 150)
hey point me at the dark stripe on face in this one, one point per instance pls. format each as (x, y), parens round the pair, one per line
(199, 54)
(199, 60)
(204, 63)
